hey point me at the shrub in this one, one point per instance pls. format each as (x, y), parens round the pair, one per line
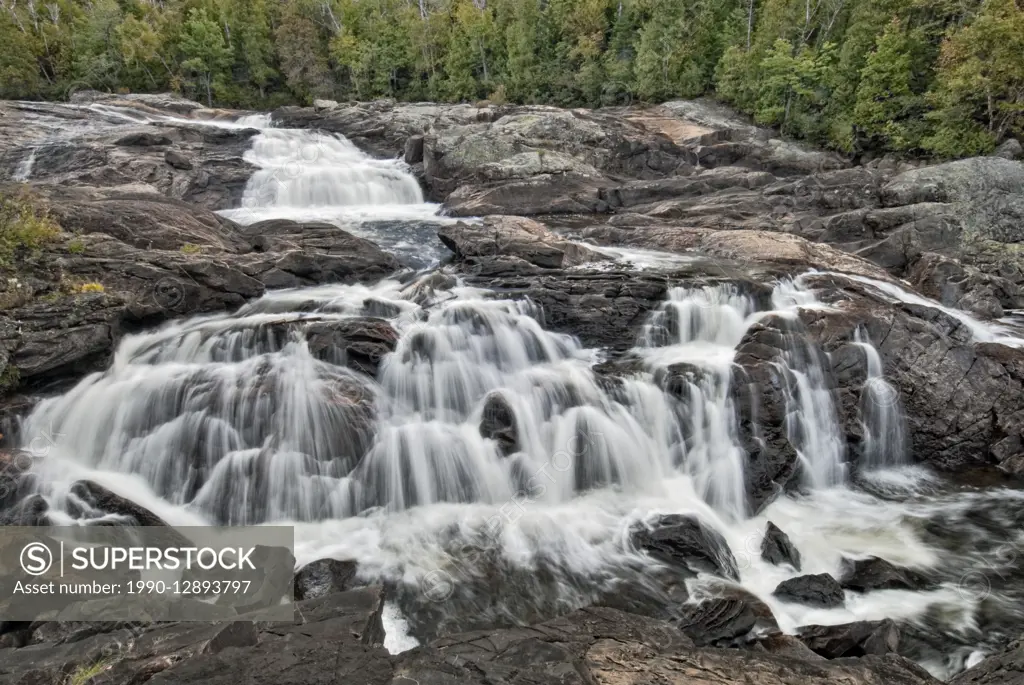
(24, 226)
(191, 248)
(91, 288)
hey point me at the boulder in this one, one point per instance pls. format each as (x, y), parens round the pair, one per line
(852, 639)
(323, 577)
(865, 575)
(98, 500)
(776, 548)
(686, 544)
(1010, 149)
(498, 423)
(818, 590)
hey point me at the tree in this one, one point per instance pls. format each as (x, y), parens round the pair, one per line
(884, 96)
(979, 91)
(206, 53)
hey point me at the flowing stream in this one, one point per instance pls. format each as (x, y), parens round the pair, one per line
(238, 418)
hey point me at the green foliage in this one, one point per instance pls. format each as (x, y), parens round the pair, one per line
(25, 227)
(191, 248)
(978, 96)
(859, 75)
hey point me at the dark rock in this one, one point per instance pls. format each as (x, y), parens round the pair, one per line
(358, 343)
(142, 140)
(31, 511)
(685, 543)
(865, 575)
(852, 639)
(498, 423)
(776, 548)
(414, 150)
(818, 590)
(323, 577)
(725, 620)
(100, 501)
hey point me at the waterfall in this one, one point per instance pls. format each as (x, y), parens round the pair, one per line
(24, 169)
(696, 332)
(885, 439)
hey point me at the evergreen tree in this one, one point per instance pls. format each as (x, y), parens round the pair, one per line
(205, 53)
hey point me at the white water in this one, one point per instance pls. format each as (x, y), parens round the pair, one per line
(983, 331)
(885, 439)
(24, 170)
(231, 418)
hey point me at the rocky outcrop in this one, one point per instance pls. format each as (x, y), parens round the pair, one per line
(516, 237)
(340, 635)
(129, 258)
(961, 397)
(1002, 668)
(195, 163)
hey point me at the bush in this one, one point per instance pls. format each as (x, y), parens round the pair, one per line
(191, 248)
(25, 227)
(91, 288)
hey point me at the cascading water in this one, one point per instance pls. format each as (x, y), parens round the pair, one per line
(885, 440)
(488, 452)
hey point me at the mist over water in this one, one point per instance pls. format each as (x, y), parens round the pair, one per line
(488, 462)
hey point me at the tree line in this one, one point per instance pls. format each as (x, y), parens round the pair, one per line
(938, 77)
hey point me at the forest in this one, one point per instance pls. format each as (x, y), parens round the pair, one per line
(943, 78)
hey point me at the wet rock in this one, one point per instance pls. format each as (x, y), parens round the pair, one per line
(498, 423)
(852, 639)
(776, 548)
(865, 575)
(323, 577)
(100, 501)
(359, 343)
(1002, 668)
(818, 590)
(685, 543)
(516, 237)
(31, 511)
(725, 620)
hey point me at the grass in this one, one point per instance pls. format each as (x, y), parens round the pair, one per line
(83, 674)
(91, 287)
(76, 246)
(25, 226)
(191, 248)
(9, 378)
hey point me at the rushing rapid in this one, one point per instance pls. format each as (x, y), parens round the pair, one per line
(477, 457)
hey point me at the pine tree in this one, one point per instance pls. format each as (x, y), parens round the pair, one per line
(205, 51)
